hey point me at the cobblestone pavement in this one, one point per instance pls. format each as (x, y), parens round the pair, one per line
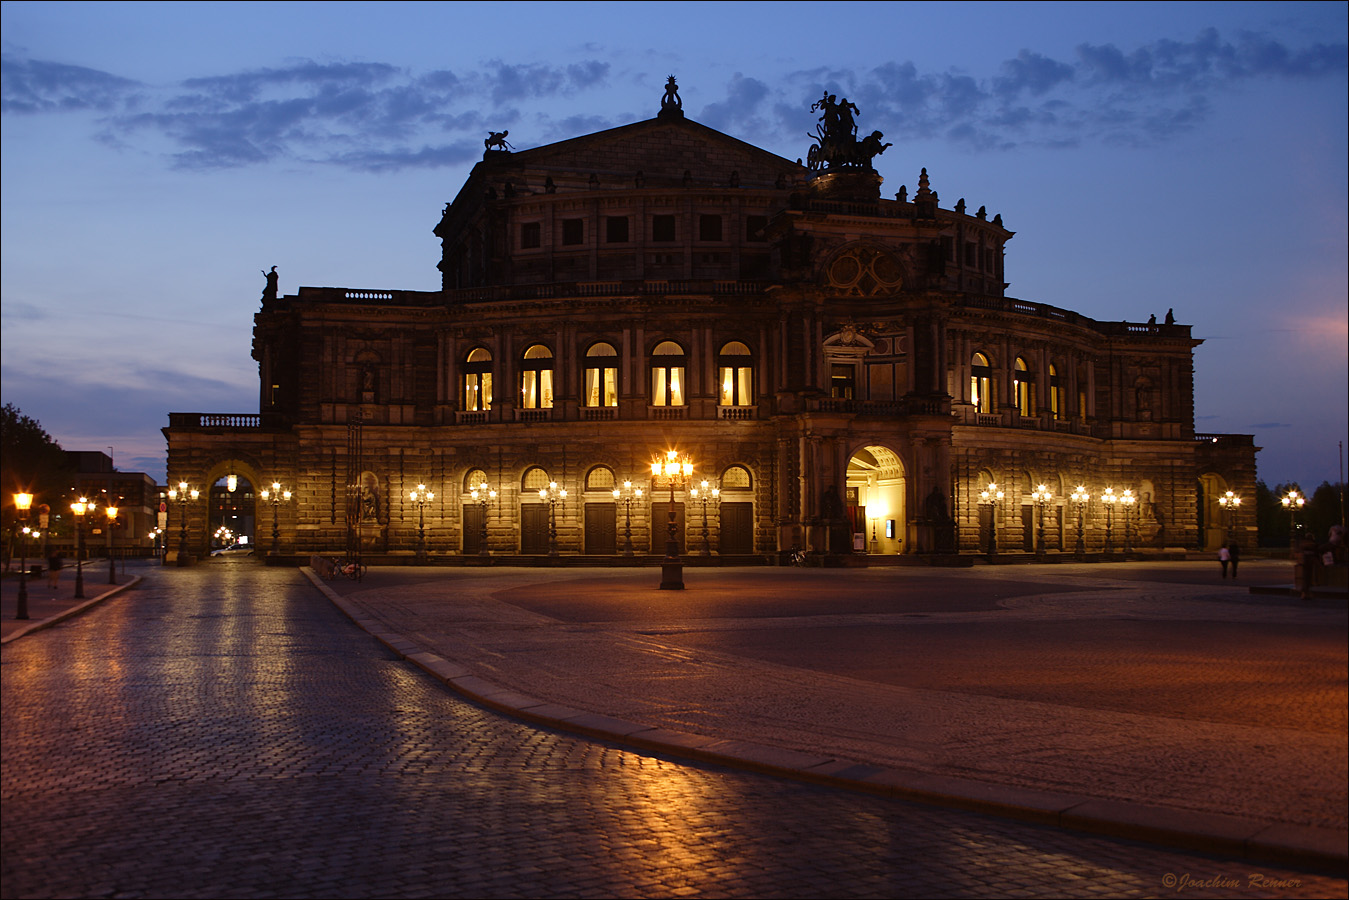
(222, 731)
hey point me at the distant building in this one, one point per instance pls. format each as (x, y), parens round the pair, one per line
(848, 370)
(135, 495)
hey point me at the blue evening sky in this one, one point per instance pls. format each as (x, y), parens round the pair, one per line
(157, 156)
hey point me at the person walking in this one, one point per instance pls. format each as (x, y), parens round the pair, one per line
(1234, 554)
(1224, 557)
(54, 563)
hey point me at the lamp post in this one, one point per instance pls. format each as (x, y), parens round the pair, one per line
(111, 512)
(1041, 496)
(1080, 498)
(1109, 498)
(628, 494)
(877, 510)
(155, 538)
(1229, 502)
(23, 502)
(481, 495)
(992, 497)
(706, 494)
(79, 508)
(1292, 501)
(276, 495)
(673, 472)
(1127, 500)
(552, 495)
(421, 496)
(182, 493)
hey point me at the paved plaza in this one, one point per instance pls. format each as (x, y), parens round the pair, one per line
(225, 730)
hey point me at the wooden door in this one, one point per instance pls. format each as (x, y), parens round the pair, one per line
(534, 528)
(660, 526)
(601, 535)
(473, 518)
(737, 528)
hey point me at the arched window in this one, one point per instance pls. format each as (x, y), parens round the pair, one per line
(981, 384)
(601, 387)
(535, 478)
(536, 378)
(478, 380)
(735, 375)
(1056, 393)
(600, 478)
(1023, 388)
(735, 478)
(474, 479)
(667, 374)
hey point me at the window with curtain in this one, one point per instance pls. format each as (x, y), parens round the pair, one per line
(478, 380)
(667, 374)
(1023, 387)
(536, 378)
(601, 374)
(735, 375)
(981, 384)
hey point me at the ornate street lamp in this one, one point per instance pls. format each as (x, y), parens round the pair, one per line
(673, 472)
(1109, 498)
(552, 495)
(79, 508)
(628, 494)
(991, 497)
(1080, 499)
(182, 493)
(23, 502)
(1041, 496)
(1229, 502)
(1127, 500)
(706, 494)
(421, 496)
(1293, 501)
(276, 495)
(111, 513)
(482, 495)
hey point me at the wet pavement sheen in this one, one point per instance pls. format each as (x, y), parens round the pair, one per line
(223, 731)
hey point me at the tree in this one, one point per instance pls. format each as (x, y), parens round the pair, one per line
(30, 460)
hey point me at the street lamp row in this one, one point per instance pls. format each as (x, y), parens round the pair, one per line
(1041, 496)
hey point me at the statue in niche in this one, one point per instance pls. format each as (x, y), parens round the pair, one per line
(670, 104)
(496, 140)
(369, 497)
(269, 292)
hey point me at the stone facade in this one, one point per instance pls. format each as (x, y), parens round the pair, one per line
(847, 369)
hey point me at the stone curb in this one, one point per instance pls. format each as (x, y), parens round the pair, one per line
(1275, 843)
(71, 612)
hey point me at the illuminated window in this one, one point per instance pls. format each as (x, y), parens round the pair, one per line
(843, 381)
(1056, 393)
(478, 380)
(601, 372)
(667, 374)
(534, 479)
(1023, 388)
(536, 378)
(736, 477)
(981, 384)
(600, 478)
(735, 375)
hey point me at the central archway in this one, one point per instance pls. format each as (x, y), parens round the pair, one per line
(877, 507)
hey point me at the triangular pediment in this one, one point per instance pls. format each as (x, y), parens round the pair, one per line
(662, 149)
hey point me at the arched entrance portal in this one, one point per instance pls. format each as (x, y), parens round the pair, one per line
(1212, 517)
(232, 515)
(876, 501)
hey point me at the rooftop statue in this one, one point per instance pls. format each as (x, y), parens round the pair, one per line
(670, 105)
(269, 292)
(496, 140)
(836, 145)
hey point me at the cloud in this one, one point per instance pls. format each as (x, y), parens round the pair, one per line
(1272, 425)
(29, 86)
(374, 116)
